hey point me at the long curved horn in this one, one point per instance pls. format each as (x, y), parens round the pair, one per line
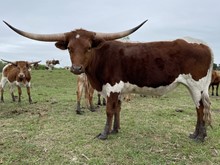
(39, 37)
(112, 36)
(61, 36)
(8, 61)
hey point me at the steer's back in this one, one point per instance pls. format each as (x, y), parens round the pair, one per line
(153, 64)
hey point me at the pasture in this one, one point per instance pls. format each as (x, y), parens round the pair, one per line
(154, 130)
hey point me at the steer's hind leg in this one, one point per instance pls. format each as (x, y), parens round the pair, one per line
(19, 94)
(213, 88)
(79, 96)
(200, 130)
(203, 118)
(29, 95)
(217, 89)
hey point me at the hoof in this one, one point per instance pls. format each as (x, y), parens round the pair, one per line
(114, 131)
(92, 110)
(79, 112)
(101, 136)
(192, 136)
(197, 138)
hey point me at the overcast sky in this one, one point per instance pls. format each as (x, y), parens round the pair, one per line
(167, 20)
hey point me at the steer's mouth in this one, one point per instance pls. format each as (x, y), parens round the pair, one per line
(20, 79)
(77, 69)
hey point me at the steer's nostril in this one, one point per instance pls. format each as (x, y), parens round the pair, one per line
(76, 69)
(21, 75)
(80, 68)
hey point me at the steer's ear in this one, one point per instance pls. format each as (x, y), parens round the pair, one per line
(61, 45)
(28, 65)
(96, 42)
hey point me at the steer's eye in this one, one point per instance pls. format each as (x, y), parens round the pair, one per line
(89, 48)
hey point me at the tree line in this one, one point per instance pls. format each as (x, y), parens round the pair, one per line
(216, 66)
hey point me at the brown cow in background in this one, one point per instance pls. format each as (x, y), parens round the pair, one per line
(101, 102)
(16, 73)
(84, 85)
(35, 66)
(215, 81)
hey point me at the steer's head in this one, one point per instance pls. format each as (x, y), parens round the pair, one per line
(80, 43)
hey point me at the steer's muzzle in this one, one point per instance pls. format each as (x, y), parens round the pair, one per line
(76, 69)
(21, 76)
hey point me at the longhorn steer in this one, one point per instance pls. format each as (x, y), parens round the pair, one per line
(17, 73)
(114, 68)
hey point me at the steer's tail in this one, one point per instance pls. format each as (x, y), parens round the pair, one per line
(207, 109)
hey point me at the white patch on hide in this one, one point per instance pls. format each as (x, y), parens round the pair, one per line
(4, 80)
(195, 87)
(77, 36)
(20, 84)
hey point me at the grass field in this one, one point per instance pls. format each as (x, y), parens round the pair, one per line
(153, 131)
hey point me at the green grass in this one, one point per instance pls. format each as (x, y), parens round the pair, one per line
(152, 132)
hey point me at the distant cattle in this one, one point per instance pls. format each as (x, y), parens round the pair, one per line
(16, 73)
(114, 68)
(84, 85)
(127, 97)
(101, 100)
(215, 81)
(51, 63)
(35, 66)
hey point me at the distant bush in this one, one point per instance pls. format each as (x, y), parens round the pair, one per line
(41, 67)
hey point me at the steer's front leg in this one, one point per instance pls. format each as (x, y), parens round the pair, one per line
(19, 94)
(29, 94)
(112, 109)
(116, 125)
